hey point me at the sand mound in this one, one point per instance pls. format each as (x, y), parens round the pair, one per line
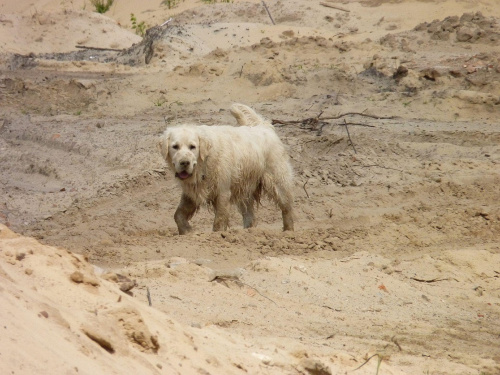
(391, 124)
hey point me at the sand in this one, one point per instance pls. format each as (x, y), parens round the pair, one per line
(389, 110)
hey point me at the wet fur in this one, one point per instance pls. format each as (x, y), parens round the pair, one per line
(233, 165)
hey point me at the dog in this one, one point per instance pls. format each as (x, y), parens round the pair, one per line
(222, 165)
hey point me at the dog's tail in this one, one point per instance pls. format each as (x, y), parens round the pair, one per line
(246, 116)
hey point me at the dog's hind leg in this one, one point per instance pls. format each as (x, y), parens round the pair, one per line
(278, 186)
(247, 211)
(184, 213)
(285, 203)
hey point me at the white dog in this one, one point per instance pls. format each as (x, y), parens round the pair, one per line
(223, 165)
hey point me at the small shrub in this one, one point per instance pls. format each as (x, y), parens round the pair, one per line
(171, 3)
(215, 1)
(139, 27)
(101, 6)
(159, 102)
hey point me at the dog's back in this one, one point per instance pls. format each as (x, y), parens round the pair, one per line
(246, 116)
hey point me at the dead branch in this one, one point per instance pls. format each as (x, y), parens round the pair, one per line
(395, 342)
(315, 120)
(350, 140)
(332, 143)
(311, 107)
(334, 7)
(224, 275)
(323, 124)
(357, 124)
(99, 48)
(304, 187)
(378, 166)
(431, 280)
(149, 296)
(317, 124)
(268, 12)
(368, 360)
(166, 22)
(331, 308)
(239, 282)
(254, 288)
(360, 114)
(281, 122)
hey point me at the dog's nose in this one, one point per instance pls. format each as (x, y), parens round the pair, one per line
(184, 163)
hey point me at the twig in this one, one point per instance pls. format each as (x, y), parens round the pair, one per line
(337, 101)
(281, 122)
(258, 292)
(334, 7)
(149, 296)
(360, 114)
(350, 140)
(241, 71)
(99, 48)
(236, 280)
(166, 22)
(323, 124)
(268, 12)
(395, 342)
(378, 166)
(332, 143)
(360, 124)
(430, 280)
(304, 187)
(331, 308)
(368, 360)
(308, 120)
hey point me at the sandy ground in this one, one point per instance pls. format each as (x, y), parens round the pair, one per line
(395, 262)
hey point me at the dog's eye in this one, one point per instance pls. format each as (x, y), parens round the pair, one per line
(192, 147)
(175, 147)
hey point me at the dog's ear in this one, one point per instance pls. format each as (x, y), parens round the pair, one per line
(204, 148)
(163, 145)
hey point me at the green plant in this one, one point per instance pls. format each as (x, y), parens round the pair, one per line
(159, 102)
(179, 103)
(139, 27)
(101, 6)
(220, 1)
(171, 3)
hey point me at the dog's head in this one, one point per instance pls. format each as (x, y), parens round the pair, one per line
(183, 149)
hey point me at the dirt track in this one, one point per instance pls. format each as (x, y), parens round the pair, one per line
(397, 242)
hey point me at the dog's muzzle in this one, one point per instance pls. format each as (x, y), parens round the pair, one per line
(186, 169)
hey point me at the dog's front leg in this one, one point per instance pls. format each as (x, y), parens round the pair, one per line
(221, 207)
(184, 213)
